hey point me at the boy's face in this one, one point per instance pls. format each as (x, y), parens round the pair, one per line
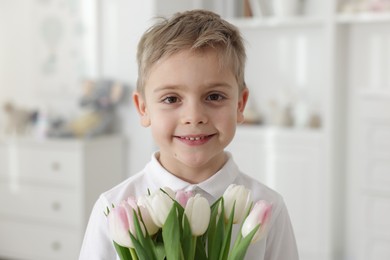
(192, 106)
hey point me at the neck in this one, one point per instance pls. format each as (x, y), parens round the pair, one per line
(194, 174)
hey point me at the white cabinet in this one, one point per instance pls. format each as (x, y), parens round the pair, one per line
(292, 163)
(369, 179)
(368, 82)
(47, 190)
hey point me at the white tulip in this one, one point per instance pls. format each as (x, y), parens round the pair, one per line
(240, 197)
(198, 213)
(151, 227)
(159, 205)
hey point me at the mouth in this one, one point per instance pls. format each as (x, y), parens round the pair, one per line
(195, 139)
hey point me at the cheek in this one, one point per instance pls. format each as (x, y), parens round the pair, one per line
(226, 120)
(162, 125)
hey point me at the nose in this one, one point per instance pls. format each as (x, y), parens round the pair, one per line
(193, 114)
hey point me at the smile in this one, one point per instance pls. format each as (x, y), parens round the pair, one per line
(195, 139)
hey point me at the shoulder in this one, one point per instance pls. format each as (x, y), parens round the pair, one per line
(135, 185)
(280, 231)
(260, 191)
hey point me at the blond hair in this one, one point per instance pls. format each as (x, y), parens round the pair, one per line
(196, 30)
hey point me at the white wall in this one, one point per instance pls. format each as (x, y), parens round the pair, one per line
(109, 52)
(15, 51)
(122, 26)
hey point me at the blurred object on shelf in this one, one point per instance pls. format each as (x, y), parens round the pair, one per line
(364, 6)
(286, 8)
(98, 115)
(248, 8)
(259, 8)
(315, 121)
(42, 124)
(280, 115)
(273, 8)
(19, 121)
(251, 114)
(289, 109)
(301, 114)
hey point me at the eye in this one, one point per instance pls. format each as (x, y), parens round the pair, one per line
(215, 97)
(170, 100)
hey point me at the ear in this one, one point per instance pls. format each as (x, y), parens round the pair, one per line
(242, 100)
(140, 104)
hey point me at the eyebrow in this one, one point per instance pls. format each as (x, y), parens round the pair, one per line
(166, 87)
(175, 87)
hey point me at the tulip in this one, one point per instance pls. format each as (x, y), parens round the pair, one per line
(159, 205)
(120, 222)
(198, 213)
(259, 215)
(240, 197)
(183, 196)
(151, 227)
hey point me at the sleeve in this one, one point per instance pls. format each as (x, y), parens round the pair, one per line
(97, 244)
(281, 244)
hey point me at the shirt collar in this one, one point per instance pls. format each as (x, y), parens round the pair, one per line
(214, 187)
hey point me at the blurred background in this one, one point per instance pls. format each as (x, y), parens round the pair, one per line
(317, 125)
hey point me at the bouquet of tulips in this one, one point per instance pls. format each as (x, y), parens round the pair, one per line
(180, 225)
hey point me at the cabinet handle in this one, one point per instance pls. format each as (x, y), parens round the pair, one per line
(55, 166)
(56, 206)
(56, 246)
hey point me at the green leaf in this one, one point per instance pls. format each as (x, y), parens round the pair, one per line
(216, 231)
(123, 252)
(227, 236)
(171, 235)
(139, 249)
(216, 203)
(180, 214)
(188, 241)
(107, 211)
(200, 251)
(145, 241)
(160, 251)
(239, 251)
(239, 235)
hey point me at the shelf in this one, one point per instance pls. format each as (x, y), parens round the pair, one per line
(280, 130)
(363, 18)
(272, 22)
(377, 94)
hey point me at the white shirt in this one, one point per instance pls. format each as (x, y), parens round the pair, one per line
(279, 244)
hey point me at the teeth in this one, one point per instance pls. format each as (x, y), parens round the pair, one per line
(192, 138)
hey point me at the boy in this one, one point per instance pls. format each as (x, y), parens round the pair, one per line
(191, 92)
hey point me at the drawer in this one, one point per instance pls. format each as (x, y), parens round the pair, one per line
(41, 204)
(36, 242)
(54, 166)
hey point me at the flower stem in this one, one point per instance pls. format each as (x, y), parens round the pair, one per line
(193, 248)
(133, 254)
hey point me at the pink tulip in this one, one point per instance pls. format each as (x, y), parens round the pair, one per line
(259, 215)
(183, 196)
(120, 222)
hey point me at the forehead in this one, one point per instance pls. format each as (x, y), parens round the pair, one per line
(190, 67)
(214, 54)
